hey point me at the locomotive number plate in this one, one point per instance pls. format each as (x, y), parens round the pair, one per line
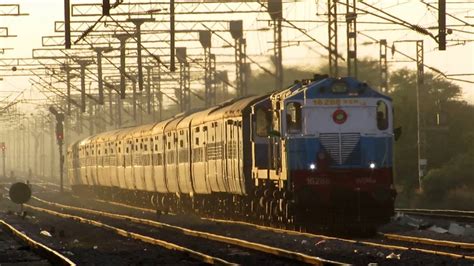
(339, 102)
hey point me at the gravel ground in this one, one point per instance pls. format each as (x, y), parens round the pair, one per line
(224, 251)
(397, 228)
(79, 242)
(13, 252)
(358, 254)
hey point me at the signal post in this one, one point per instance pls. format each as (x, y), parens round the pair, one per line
(2, 147)
(59, 139)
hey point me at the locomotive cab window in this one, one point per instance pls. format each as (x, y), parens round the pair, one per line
(293, 117)
(262, 122)
(382, 115)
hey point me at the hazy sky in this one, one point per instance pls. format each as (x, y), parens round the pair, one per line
(457, 59)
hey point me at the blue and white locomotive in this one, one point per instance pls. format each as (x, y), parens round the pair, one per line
(318, 153)
(333, 150)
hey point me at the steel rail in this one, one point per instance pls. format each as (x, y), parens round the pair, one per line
(429, 241)
(195, 254)
(297, 256)
(44, 251)
(453, 214)
(368, 243)
(434, 211)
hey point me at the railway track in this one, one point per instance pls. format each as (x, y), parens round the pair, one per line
(391, 242)
(276, 254)
(194, 254)
(457, 215)
(403, 243)
(52, 256)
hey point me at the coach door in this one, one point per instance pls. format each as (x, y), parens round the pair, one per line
(232, 157)
(207, 164)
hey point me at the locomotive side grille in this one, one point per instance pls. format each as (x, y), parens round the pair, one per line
(340, 146)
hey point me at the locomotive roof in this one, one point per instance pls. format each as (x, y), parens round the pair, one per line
(323, 89)
(283, 93)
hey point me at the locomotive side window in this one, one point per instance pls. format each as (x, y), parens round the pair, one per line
(262, 123)
(382, 115)
(293, 118)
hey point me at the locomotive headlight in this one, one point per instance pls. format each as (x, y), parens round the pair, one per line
(312, 166)
(372, 165)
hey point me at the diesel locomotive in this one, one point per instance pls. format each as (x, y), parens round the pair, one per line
(318, 154)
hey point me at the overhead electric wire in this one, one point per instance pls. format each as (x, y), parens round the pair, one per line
(413, 59)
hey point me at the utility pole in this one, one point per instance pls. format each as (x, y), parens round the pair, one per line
(442, 25)
(351, 17)
(236, 30)
(422, 162)
(2, 146)
(138, 23)
(150, 100)
(91, 117)
(134, 100)
(383, 66)
(119, 111)
(67, 69)
(67, 24)
(123, 40)
(172, 40)
(276, 14)
(205, 40)
(110, 87)
(157, 91)
(99, 51)
(53, 153)
(184, 80)
(332, 37)
(83, 64)
(212, 78)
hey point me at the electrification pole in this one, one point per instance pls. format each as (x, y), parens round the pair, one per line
(138, 22)
(332, 37)
(83, 64)
(184, 81)
(123, 40)
(172, 40)
(99, 51)
(442, 25)
(205, 40)
(422, 162)
(383, 66)
(351, 17)
(2, 146)
(236, 30)
(275, 11)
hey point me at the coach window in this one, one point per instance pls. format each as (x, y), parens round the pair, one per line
(382, 115)
(293, 117)
(262, 122)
